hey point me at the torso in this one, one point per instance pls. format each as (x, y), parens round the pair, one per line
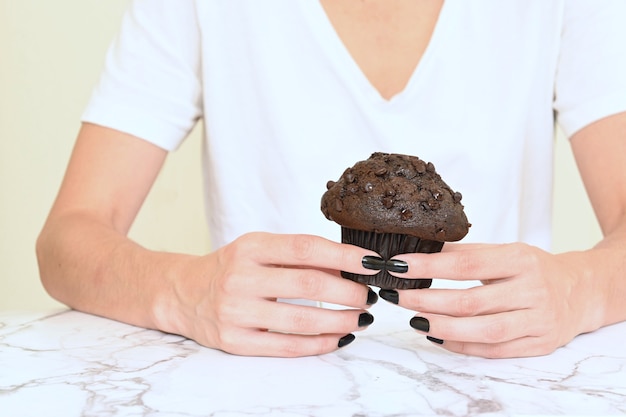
(385, 38)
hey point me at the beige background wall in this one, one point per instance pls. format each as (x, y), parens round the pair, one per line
(51, 53)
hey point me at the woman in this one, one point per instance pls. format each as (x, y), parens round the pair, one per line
(291, 93)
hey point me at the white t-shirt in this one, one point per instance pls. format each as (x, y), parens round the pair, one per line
(286, 108)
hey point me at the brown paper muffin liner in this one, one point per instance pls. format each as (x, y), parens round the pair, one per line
(388, 245)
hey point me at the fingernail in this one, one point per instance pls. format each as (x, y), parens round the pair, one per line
(365, 319)
(396, 265)
(346, 340)
(435, 340)
(420, 323)
(372, 297)
(373, 262)
(389, 295)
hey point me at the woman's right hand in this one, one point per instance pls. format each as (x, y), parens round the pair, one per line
(225, 300)
(228, 299)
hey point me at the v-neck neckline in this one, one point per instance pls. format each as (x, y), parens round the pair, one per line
(340, 56)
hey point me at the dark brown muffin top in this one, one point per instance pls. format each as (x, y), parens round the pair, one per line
(393, 193)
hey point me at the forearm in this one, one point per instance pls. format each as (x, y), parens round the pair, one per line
(93, 268)
(606, 269)
(596, 283)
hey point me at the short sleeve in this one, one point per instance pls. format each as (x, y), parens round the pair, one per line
(151, 84)
(591, 75)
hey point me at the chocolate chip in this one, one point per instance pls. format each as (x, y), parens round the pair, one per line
(349, 177)
(368, 188)
(430, 167)
(437, 195)
(380, 171)
(330, 184)
(420, 166)
(406, 214)
(390, 192)
(388, 202)
(457, 197)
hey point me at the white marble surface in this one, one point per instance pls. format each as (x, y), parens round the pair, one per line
(65, 363)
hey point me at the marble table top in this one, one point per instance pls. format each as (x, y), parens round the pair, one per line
(66, 363)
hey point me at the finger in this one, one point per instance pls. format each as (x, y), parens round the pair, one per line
(311, 284)
(273, 344)
(483, 263)
(453, 246)
(289, 318)
(303, 250)
(490, 329)
(479, 300)
(519, 348)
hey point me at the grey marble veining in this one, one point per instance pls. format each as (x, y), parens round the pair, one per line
(66, 363)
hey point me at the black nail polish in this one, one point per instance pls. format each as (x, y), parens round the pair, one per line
(435, 340)
(420, 323)
(365, 319)
(373, 262)
(372, 297)
(389, 295)
(396, 265)
(346, 340)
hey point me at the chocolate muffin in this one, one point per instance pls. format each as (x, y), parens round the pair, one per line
(393, 204)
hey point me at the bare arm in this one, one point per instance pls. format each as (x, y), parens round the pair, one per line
(84, 256)
(600, 151)
(225, 300)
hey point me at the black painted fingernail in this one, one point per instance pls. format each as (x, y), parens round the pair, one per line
(389, 295)
(346, 340)
(365, 319)
(379, 264)
(373, 262)
(420, 323)
(396, 265)
(372, 297)
(435, 340)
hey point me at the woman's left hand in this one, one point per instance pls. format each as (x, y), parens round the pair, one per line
(532, 302)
